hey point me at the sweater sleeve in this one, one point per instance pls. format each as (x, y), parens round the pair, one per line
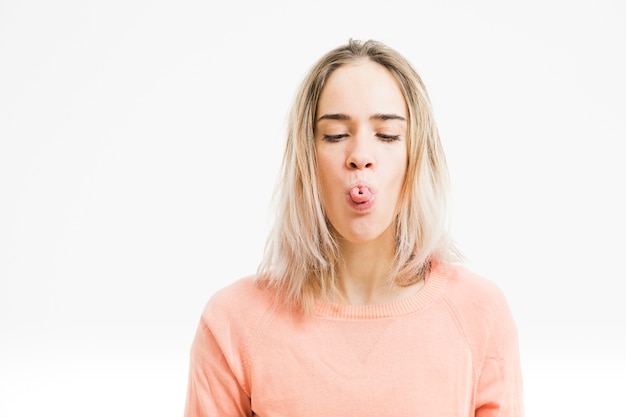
(499, 389)
(214, 389)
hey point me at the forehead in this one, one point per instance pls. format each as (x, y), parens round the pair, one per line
(362, 88)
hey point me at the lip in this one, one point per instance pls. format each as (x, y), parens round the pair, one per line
(365, 205)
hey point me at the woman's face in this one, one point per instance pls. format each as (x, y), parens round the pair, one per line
(360, 139)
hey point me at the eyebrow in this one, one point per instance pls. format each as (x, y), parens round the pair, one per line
(377, 116)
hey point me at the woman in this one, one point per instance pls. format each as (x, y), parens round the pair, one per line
(360, 307)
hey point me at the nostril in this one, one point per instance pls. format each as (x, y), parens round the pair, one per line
(353, 165)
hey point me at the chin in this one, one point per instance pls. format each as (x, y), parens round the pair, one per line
(367, 234)
(361, 237)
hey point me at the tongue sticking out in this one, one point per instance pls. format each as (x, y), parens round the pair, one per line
(360, 194)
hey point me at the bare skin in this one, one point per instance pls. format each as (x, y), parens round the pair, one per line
(361, 148)
(364, 272)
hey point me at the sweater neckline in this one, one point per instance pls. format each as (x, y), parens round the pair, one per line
(434, 283)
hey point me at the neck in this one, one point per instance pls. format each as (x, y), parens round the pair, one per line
(364, 272)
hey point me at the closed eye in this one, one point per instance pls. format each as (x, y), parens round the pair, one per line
(388, 138)
(334, 138)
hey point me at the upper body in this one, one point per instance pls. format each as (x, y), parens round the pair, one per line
(356, 308)
(448, 350)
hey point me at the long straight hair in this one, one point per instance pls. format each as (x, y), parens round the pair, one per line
(301, 254)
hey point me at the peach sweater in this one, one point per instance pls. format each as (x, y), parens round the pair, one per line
(449, 350)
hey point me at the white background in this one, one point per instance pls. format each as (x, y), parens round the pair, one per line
(140, 142)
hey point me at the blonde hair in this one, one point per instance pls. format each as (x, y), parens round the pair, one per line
(301, 254)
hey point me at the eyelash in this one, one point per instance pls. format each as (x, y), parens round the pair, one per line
(334, 138)
(388, 138)
(383, 137)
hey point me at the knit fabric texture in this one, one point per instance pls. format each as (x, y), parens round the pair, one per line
(451, 349)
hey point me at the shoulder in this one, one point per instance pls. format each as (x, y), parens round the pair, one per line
(241, 298)
(471, 291)
(228, 328)
(236, 309)
(478, 305)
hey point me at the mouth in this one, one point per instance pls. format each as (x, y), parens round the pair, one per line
(360, 195)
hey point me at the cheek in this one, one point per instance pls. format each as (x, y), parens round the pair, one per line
(397, 180)
(328, 166)
(398, 165)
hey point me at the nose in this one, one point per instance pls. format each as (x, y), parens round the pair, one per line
(360, 154)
